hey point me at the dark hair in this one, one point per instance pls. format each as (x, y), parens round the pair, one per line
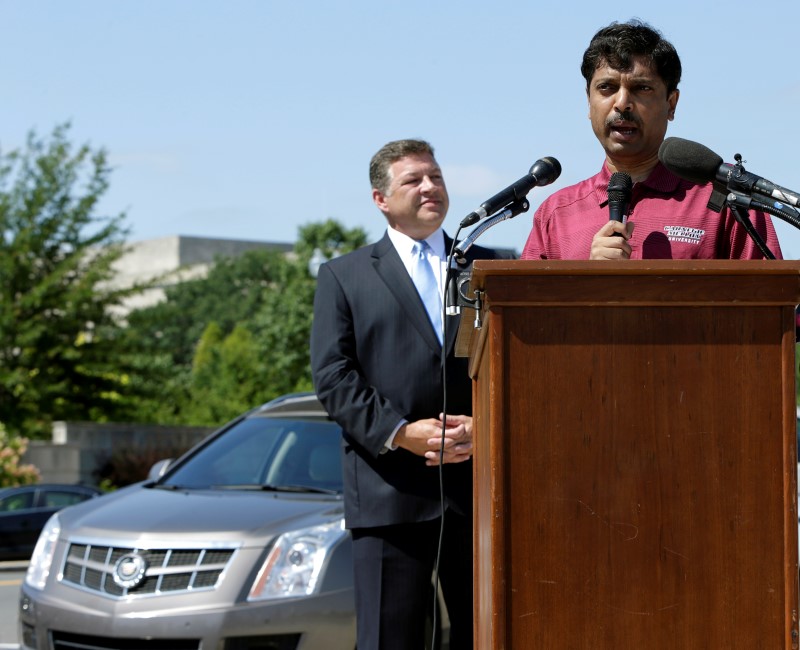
(379, 175)
(617, 44)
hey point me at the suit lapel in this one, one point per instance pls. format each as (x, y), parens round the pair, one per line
(392, 271)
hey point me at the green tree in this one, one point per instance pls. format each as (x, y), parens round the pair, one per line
(227, 376)
(57, 331)
(268, 295)
(163, 339)
(282, 325)
(231, 292)
(330, 237)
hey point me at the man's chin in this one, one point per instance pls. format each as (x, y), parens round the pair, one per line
(623, 150)
(618, 143)
(432, 215)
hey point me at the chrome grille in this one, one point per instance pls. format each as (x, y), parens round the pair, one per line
(169, 571)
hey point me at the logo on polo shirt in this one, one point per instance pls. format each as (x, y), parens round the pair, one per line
(684, 234)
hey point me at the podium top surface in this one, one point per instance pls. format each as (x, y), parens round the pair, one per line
(630, 283)
(673, 282)
(482, 268)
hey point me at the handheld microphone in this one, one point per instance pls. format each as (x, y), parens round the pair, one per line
(542, 172)
(698, 164)
(619, 196)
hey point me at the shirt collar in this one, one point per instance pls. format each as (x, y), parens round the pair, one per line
(404, 244)
(660, 181)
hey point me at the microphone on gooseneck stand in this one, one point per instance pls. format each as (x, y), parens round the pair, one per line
(619, 196)
(543, 172)
(732, 185)
(697, 163)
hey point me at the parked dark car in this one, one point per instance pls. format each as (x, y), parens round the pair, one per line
(24, 511)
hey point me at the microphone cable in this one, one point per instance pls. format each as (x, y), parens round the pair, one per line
(549, 169)
(448, 278)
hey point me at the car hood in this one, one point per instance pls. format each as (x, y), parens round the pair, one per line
(142, 514)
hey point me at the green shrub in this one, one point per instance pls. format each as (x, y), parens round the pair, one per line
(127, 466)
(12, 471)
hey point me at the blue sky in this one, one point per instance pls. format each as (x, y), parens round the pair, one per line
(246, 119)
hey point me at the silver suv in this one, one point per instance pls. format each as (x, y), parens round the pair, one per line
(238, 545)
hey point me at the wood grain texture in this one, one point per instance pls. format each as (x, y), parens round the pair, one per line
(635, 457)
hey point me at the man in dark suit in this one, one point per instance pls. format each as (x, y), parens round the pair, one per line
(376, 362)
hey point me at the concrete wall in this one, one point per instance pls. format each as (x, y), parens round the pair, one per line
(78, 449)
(175, 259)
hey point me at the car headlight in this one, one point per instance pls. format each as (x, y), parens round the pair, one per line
(294, 564)
(42, 558)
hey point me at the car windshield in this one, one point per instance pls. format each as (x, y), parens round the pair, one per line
(266, 453)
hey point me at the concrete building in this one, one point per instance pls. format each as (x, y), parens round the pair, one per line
(175, 259)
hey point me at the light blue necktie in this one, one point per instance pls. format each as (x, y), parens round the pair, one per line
(427, 286)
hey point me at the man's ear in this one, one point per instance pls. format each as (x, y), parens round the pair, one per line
(379, 198)
(672, 100)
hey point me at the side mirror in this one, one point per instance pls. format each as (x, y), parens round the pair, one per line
(158, 469)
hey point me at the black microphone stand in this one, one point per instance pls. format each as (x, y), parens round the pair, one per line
(457, 276)
(739, 200)
(458, 272)
(739, 211)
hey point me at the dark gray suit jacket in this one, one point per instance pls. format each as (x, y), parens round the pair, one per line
(376, 359)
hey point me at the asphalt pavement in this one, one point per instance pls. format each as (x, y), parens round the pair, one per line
(8, 617)
(14, 565)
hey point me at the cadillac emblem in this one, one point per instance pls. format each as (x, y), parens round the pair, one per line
(129, 570)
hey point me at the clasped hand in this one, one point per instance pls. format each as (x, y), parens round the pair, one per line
(424, 438)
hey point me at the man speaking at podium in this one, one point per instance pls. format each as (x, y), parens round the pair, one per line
(632, 75)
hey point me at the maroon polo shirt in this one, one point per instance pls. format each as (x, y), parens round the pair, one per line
(672, 220)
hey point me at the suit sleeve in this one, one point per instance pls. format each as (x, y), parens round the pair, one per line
(367, 417)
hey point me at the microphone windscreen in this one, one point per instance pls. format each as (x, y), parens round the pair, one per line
(545, 170)
(619, 187)
(689, 160)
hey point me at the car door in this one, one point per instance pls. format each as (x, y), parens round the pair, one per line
(15, 521)
(48, 501)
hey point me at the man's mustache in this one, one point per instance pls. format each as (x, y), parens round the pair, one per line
(624, 116)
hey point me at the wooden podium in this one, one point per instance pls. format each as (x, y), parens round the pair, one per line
(635, 454)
